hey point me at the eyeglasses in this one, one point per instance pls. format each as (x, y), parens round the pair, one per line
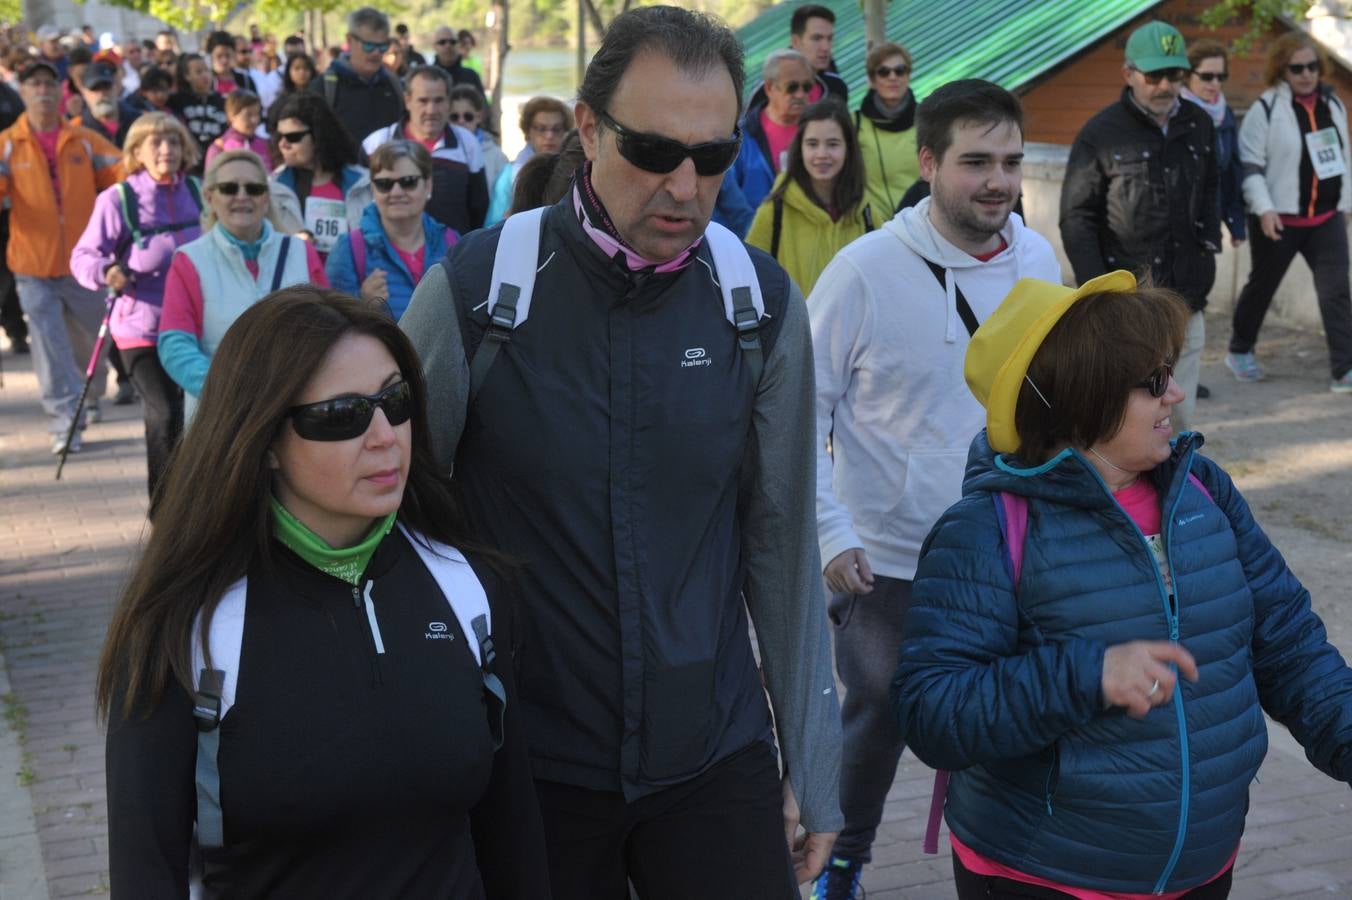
(370, 46)
(1297, 68)
(654, 153)
(889, 71)
(1157, 382)
(1213, 76)
(292, 137)
(467, 118)
(1175, 76)
(797, 87)
(231, 188)
(344, 418)
(446, 42)
(385, 185)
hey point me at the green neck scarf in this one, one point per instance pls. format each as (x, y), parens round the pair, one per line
(347, 564)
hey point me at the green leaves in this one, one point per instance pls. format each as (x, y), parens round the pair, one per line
(1260, 14)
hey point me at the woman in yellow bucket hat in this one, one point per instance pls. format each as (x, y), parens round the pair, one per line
(1099, 624)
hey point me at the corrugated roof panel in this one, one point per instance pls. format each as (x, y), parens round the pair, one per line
(1010, 42)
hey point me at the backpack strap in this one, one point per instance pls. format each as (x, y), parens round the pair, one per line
(213, 698)
(965, 313)
(357, 244)
(868, 219)
(131, 216)
(280, 269)
(1197, 482)
(743, 304)
(509, 289)
(777, 224)
(1011, 510)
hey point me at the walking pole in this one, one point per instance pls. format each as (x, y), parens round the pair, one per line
(89, 377)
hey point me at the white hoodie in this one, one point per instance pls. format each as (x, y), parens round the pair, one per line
(889, 348)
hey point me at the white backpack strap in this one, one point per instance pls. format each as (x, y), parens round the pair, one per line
(462, 590)
(743, 303)
(509, 289)
(215, 695)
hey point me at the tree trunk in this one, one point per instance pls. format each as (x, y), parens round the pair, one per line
(595, 17)
(497, 62)
(581, 40)
(875, 17)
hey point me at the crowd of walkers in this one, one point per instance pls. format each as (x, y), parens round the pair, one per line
(472, 478)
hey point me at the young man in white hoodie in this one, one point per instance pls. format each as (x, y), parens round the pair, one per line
(891, 317)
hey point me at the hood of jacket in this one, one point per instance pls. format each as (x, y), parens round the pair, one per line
(902, 120)
(434, 233)
(1068, 478)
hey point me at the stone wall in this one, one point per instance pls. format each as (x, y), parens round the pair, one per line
(1045, 168)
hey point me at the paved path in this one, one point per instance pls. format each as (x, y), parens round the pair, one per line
(64, 550)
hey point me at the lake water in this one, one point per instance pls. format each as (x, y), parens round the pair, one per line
(551, 71)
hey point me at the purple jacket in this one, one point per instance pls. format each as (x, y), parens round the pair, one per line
(106, 239)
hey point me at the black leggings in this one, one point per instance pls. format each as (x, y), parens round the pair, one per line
(162, 404)
(972, 886)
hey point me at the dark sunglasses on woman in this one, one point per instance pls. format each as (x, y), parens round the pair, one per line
(660, 155)
(292, 137)
(1213, 76)
(343, 418)
(889, 71)
(385, 185)
(231, 188)
(1298, 68)
(1157, 382)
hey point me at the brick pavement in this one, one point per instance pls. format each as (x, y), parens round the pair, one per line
(65, 552)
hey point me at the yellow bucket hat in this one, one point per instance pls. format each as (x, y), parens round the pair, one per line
(1004, 346)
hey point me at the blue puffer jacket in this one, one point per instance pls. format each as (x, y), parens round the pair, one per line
(751, 177)
(1005, 690)
(380, 254)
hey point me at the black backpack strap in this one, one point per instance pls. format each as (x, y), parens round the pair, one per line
(496, 693)
(868, 219)
(777, 204)
(500, 324)
(207, 714)
(748, 331)
(964, 308)
(280, 269)
(1267, 108)
(131, 216)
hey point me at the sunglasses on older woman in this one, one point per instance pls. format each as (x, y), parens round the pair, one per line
(344, 418)
(231, 188)
(1157, 382)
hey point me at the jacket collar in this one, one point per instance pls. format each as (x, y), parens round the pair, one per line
(902, 120)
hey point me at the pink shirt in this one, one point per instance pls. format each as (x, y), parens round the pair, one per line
(414, 261)
(429, 144)
(779, 137)
(47, 141)
(330, 191)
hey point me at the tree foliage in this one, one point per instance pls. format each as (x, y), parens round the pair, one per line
(1260, 15)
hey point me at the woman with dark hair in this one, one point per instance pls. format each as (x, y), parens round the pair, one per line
(885, 123)
(544, 123)
(467, 111)
(1294, 141)
(196, 106)
(1098, 627)
(319, 190)
(305, 667)
(818, 204)
(297, 74)
(383, 259)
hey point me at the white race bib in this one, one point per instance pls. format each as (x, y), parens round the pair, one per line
(326, 220)
(1326, 153)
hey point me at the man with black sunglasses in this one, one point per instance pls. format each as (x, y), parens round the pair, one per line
(357, 86)
(651, 464)
(1142, 187)
(449, 61)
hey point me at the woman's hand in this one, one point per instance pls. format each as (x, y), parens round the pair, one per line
(1136, 675)
(375, 288)
(115, 278)
(1272, 225)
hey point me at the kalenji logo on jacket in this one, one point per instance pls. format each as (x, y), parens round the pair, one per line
(696, 356)
(437, 631)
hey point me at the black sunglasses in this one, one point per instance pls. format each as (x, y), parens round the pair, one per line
(445, 41)
(385, 185)
(1213, 76)
(1297, 68)
(1157, 382)
(231, 188)
(889, 71)
(797, 87)
(344, 418)
(654, 153)
(292, 137)
(1174, 75)
(468, 117)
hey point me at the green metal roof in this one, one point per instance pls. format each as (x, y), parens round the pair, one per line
(1009, 42)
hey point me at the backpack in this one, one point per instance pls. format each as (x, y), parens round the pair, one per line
(1011, 510)
(331, 87)
(516, 263)
(131, 216)
(216, 686)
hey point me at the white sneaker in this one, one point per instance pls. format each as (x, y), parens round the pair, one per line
(59, 443)
(93, 415)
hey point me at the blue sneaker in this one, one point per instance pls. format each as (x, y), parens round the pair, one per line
(839, 880)
(1342, 385)
(1244, 366)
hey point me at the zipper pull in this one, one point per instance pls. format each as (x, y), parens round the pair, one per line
(356, 597)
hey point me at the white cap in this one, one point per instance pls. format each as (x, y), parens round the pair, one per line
(48, 33)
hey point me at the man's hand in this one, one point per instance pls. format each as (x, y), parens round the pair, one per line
(1272, 225)
(849, 573)
(810, 852)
